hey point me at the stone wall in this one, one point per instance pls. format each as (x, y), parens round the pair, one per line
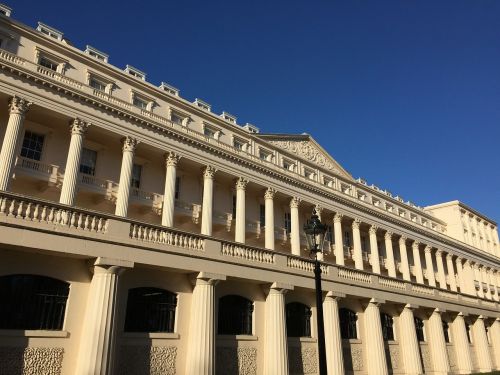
(151, 360)
(31, 361)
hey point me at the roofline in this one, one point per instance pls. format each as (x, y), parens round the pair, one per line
(463, 205)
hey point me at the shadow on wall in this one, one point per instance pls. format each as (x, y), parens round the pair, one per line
(20, 359)
(139, 359)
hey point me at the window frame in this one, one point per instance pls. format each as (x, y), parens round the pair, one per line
(300, 325)
(348, 324)
(42, 136)
(106, 82)
(237, 307)
(419, 329)
(387, 323)
(92, 168)
(55, 59)
(216, 132)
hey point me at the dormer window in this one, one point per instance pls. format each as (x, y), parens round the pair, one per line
(5, 10)
(50, 61)
(134, 72)
(251, 128)
(141, 101)
(170, 89)
(211, 132)
(49, 31)
(203, 105)
(265, 154)
(228, 117)
(95, 53)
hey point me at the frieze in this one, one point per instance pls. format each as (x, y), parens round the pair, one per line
(31, 361)
(154, 360)
(237, 361)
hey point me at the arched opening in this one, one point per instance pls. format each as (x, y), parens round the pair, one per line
(298, 320)
(235, 315)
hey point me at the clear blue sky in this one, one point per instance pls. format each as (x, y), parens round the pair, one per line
(403, 93)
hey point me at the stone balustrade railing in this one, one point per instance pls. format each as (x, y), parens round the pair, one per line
(31, 213)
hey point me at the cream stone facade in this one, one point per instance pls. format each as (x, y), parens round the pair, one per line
(171, 239)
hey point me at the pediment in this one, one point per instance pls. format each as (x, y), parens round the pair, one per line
(307, 149)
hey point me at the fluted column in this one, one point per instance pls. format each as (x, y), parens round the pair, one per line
(440, 269)
(481, 345)
(208, 196)
(97, 341)
(408, 342)
(374, 250)
(70, 181)
(356, 239)
(451, 272)
(17, 110)
(405, 267)
(295, 227)
(495, 341)
(333, 341)
(129, 146)
(339, 245)
(275, 340)
(239, 229)
(167, 217)
(417, 264)
(477, 277)
(429, 267)
(468, 279)
(200, 358)
(391, 263)
(486, 280)
(374, 341)
(437, 344)
(461, 345)
(461, 275)
(269, 212)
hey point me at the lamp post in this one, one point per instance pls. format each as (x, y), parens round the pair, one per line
(315, 234)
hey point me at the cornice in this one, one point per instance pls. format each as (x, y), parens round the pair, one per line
(261, 168)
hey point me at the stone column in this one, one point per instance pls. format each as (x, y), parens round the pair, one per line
(70, 181)
(319, 210)
(269, 212)
(417, 264)
(167, 217)
(374, 341)
(437, 344)
(486, 280)
(17, 110)
(240, 226)
(477, 277)
(208, 192)
(481, 345)
(374, 250)
(461, 275)
(391, 263)
(200, 357)
(97, 341)
(451, 272)
(129, 146)
(468, 279)
(405, 267)
(295, 227)
(461, 345)
(333, 341)
(339, 246)
(408, 342)
(440, 269)
(275, 340)
(356, 238)
(495, 341)
(429, 267)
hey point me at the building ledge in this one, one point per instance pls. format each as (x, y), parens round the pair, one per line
(32, 333)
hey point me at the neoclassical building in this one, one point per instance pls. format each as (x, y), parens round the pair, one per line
(141, 233)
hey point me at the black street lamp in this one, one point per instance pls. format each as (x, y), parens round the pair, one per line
(315, 234)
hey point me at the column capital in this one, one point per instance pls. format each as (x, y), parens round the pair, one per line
(295, 202)
(270, 193)
(449, 256)
(335, 295)
(438, 311)
(415, 244)
(373, 229)
(318, 209)
(279, 287)
(439, 253)
(337, 218)
(78, 126)
(403, 238)
(129, 144)
(376, 301)
(475, 266)
(428, 249)
(207, 278)
(18, 105)
(209, 172)
(388, 235)
(241, 183)
(356, 223)
(171, 159)
(411, 306)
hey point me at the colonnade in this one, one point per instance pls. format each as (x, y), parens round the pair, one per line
(469, 274)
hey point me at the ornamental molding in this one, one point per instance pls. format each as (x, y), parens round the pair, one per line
(172, 159)
(209, 172)
(78, 126)
(129, 144)
(270, 193)
(241, 183)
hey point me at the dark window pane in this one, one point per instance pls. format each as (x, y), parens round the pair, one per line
(298, 320)
(150, 310)
(48, 64)
(348, 319)
(235, 316)
(136, 176)
(32, 145)
(32, 302)
(419, 328)
(387, 327)
(88, 161)
(446, 331)
(177, 187)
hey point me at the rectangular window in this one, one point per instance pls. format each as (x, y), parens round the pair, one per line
(288, 222)
(210, 133)
(177, 187)
(49, 64)
(239, 144)
(135, 182)
(139, 103)
(347, 238)
(234, 207)
(287, 164)
(32, 145)
(176, 119)
(98, 85)
(262, 215)
(88, 161)
(265, 155)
